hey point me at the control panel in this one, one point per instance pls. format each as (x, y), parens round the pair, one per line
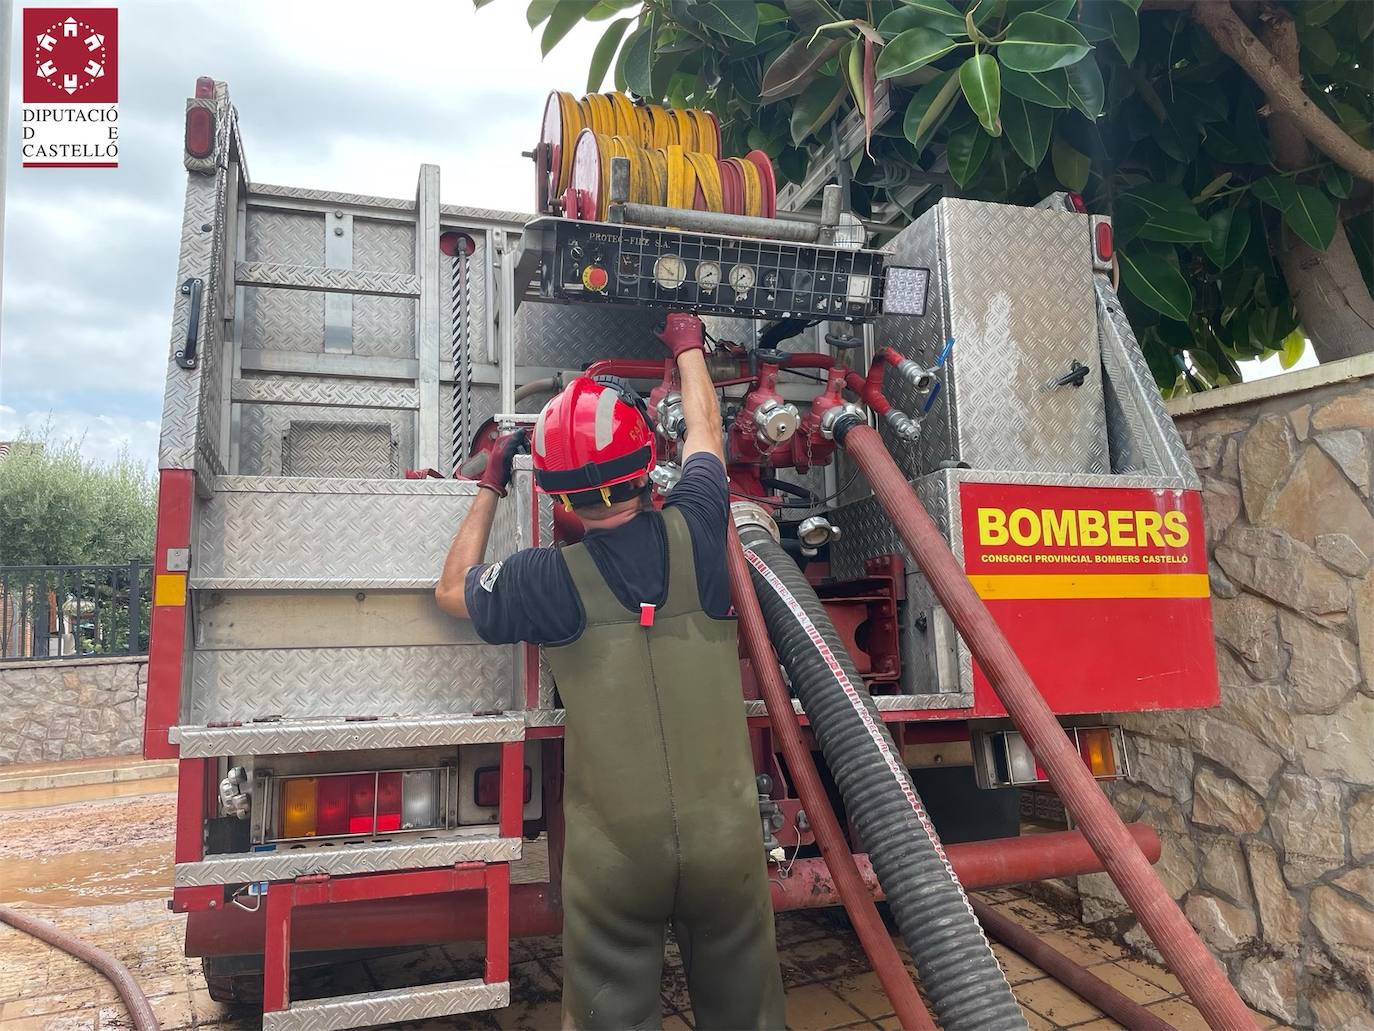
(609, 263)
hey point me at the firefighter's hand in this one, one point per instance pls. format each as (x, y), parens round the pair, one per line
(496, 476)
(682, 333)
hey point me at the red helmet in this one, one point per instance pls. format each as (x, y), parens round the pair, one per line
(593, 434)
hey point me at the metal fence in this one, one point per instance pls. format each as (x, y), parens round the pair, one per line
(73, 612)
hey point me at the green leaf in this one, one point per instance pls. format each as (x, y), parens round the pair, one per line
(738, 19)
(607, 9)
(771, 14)
(1318, 12)
(809, 14)
(1169, 215)
(938, 15)
(1277, 191)
(1294, 344)
(1036, 43)
(1071, 167)
(815, 107)
(1312, 216)
(1053, 8)
(1086, 91)
(1114, 20)
(1028, 128)
(982, 87)
(1229, 233)
(967, 147)
(794, 68)
(929, 108)
(1338, 181)
(910, 50)
(1048, 89)
(1156, 282)
(605, 53)
(1212, 187)
(564, 16)
(538, 11)
(1320, 45)
(637, 61)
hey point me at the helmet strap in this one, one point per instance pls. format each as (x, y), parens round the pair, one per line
(567, 502)
(606, 496)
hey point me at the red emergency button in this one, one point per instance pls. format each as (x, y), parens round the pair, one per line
(594, 278)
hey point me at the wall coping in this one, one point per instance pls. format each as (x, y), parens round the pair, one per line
(106, 660)
(1343, 371)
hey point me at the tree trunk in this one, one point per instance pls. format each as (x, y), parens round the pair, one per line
(1333, 302)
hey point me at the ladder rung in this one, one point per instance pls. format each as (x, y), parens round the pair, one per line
(326, 280)
(371, 1008)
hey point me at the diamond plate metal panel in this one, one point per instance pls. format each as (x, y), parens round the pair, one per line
(384, 325)
(283, 320)
(1015, 293)
(569, 336)
(302, 535)
(340, 860)
(263, 429)
(424, 1002)
(301, 683)
(343, 393)
(450, 212)
(325, 280)
(344, 735)
(365, 450)
(1142, 437)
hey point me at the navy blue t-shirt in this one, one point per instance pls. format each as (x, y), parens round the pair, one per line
(530, 596)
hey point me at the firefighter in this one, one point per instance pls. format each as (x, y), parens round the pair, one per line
(660, 802)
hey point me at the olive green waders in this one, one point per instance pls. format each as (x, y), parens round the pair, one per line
(661, 811)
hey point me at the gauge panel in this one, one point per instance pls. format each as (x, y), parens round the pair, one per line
(707, 273)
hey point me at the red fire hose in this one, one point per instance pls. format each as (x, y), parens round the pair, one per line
(873, 936)
(140, 1010)
(1161, 917)
(1078, 979)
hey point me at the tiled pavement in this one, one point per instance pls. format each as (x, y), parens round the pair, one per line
(114, 896)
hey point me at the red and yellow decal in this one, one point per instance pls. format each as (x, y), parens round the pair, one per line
(1102, 591)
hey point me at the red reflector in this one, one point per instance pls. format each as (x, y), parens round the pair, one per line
(1076, 199)
(362, 797)
(200, 132)
(388, 802)
(486, 786)
(1104, 241)
(331, 806)
(205, 88)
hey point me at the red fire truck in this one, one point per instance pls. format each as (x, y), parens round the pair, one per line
(358, 771)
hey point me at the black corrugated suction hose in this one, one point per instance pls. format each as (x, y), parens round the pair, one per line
(957, 967)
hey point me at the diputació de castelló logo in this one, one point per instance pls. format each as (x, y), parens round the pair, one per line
(71, 87)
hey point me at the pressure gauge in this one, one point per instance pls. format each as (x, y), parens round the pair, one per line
(670, 271)
(708, 275)
(742, 279)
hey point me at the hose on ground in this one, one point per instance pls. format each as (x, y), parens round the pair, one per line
(956, 964)
(1073, 976)
(1182, 949)
(140, 1010)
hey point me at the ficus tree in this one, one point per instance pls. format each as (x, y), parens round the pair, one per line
(1229, 139)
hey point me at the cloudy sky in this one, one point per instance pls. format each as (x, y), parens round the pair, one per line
(331, 95)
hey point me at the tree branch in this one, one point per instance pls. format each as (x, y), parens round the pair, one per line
(1283, 91)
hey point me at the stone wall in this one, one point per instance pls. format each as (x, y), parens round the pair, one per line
(72, 709)
(1265, 805)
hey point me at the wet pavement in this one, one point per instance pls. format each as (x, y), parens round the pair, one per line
(98, 863)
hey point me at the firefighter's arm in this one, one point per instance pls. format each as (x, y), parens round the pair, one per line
(684, 336)
(470, 545)
(468, 549)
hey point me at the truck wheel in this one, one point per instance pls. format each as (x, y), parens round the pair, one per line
(233, 981)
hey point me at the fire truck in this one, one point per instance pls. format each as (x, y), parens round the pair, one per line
(358, 771)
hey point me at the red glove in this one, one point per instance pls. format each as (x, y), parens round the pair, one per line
(496, 476)
(682, 333)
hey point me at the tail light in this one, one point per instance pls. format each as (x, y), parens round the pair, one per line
(1003, 758)
(200, 131)
(342, 804)
(205, 88)
(1076, 199)
(1102, 239)
(486, 786)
